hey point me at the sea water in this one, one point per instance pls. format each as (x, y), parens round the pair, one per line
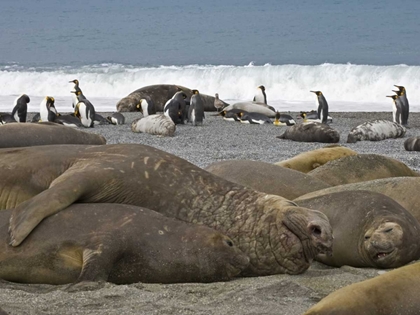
(352, 51)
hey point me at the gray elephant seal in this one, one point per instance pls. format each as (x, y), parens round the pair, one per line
(376, 130)
(403, 190)
(370, 229)
(33, 134)
(253, 107)
(359, 168)
(159, 94)
(127, 244)
(158, 124)
(392, 293)
(266, 177)
(311, 132)
(278, 236)
(412, 144)
(310, 160)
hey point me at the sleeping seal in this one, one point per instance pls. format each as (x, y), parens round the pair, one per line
(311, 132)
(370, 229)
(277, 235)
(120, 244)
(157, 124)
(253, 107)
(412, 144)
(392, 293)
(376, 130)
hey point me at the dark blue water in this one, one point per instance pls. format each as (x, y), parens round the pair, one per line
(165, 32)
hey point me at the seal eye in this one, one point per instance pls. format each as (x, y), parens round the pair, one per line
(367, 237)
(316, 230)
(388, 230)
(229, 242)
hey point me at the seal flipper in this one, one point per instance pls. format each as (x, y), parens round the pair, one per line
(63, 191)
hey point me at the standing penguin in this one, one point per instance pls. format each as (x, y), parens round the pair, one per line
(146, 107)
(47, 110)
(397, 108)
(20, 108)
(196, 109)
(322, 107)
(85, 111)
(405, 109)
(260, 96)
(76, 88)
(175, 108)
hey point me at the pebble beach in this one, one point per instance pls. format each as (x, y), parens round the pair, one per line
(215, 141)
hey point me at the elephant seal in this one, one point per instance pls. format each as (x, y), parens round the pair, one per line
(266, 177)
(253, 107)
(34, 134)
(159, 94)
(392, 293)
(403, 190)
(310, 160)
(370, 229)
(412, 144)
(278, 236)
(376, 130)
(359, 168)
(120, 244)
(311, 132)
(158, 124)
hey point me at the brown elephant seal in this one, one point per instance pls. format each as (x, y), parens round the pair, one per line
(403, 190)
(376, 130)
(392, 293)
(120, 244)
(310, 160)
(159, 94)
(359, 168)
(370, 229)
(412, 144)
(266, 177)
(253, 107)
(277, 235)
(24, 135)
(158, 124)
(311, 132)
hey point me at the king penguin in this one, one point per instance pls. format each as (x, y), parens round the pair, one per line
(20, 108)
(196, 109)
(116, 119)
(405, 109)
(85, 111)
(76, 88)
(146, 107)
(47, 110)
(396, 109)
(283, 120)
(175, 108)
(254, 118)
(234, 114)
(322, 107)
(260, 96)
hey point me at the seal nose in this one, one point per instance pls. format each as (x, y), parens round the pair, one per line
(321, 234)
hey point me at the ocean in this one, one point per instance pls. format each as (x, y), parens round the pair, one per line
(352, 51)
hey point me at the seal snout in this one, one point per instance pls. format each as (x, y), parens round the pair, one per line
(321, 235)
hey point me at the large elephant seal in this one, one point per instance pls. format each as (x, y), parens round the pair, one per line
(278, 236)
(159, 94)
(412, 144)
(253, 107)
(157, 124)
(403, 190)
(370, 229)
(376, 130)
(392, 293)
(121, 244)
(24, 135)
(359, 168)
(266, 177)
(310, 160)
(311, 132)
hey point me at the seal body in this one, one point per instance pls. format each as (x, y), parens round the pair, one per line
(157, 124)
(370, 229)
(218, 103)
(32, 134)
(311, 132)
(392, 293)
(121, 244)
(310, 160)
(277, 236)
(359, 168)
(253, 107)
(376, 130)
(412, 144)
(196, 109)
(20, 108)
(266, 177)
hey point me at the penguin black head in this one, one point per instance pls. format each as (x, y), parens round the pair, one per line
(394, 97)
(262, 87)
(399, 92)
(76, 92)
(318, 93)
(303, 115)
(75, 82)
(400, 87)
(195, 92)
